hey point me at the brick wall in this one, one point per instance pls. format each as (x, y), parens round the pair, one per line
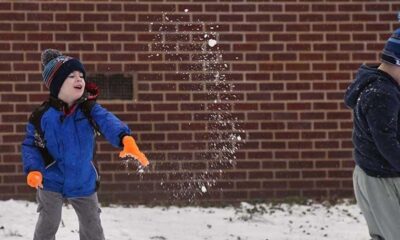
(257, 116)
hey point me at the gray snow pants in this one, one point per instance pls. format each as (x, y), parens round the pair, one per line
(50, 206)
(379, 201)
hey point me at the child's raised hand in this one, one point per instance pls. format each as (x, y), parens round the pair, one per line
(34, 179)
(132, 150)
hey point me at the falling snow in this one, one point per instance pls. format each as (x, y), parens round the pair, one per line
(212, 42)
(222, 124)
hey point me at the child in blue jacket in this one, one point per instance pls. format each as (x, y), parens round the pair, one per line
(58, 158)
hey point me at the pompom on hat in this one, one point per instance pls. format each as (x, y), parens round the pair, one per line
(57, 67)
(391, 51)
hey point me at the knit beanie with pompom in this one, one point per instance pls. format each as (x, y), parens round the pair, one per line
(57, 67)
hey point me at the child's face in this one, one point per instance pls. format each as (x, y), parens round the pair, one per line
(72, 88)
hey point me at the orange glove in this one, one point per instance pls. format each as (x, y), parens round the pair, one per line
(34, 179)
(131, 149)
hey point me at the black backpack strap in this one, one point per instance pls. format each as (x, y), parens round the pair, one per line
(87, 107)
(36, 116)
(35, 120)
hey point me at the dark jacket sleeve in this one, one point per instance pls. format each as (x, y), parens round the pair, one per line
(31, 156)
(110, 126)
(381, 112)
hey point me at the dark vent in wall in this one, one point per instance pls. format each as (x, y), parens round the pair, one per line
(114, 86)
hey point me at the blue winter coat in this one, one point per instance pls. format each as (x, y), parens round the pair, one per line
(70, 139)
(374, 97)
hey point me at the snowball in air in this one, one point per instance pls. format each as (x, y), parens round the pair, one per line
(212, 42)
(203, 189)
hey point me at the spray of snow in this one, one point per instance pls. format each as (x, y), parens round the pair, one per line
(224, 136)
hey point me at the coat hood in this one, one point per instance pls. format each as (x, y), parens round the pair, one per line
(365, 76)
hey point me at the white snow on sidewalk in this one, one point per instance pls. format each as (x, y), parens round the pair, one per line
(248, 222)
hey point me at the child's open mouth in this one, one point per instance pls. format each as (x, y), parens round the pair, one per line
(78, 87)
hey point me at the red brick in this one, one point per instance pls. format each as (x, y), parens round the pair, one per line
(81, 7)
(6, 6)
(282, 76)
(13, 98)
(108, 47)
(258, 18)
(298, 27)
(136, 67)
(350, 7)
(216, 8)
(54, 6)
(287, 174)
(301, 184)
(11, 16)
(54, 27)
(364, 17)
(136, 7)
(283, 37)
(7, 128)
(5, 27)
(108, 7)
(109, 67)
(12, 36)
(323, 8)
(337, 17)
(80, 47)
(230, 18)
(270, 7)
(271, 27)
(287, 155)
(26, 67)
(324, 28)
(340, 173)
(285, 96)
(5, 67)
(190, 7)
(100, 27)
(364, 37)
(377, 7)
(95, 17)
(94, 57)
(257, 37)
(311, 17)
(297, 8)
(25, 6)
(284, 18)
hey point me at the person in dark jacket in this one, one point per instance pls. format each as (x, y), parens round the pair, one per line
(69, 139)
(374, 97)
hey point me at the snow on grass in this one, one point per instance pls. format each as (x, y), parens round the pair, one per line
(247, 222)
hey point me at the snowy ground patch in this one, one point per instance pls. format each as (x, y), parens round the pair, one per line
(247, 222)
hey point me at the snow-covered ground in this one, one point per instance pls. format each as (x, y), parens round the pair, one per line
(248, 222)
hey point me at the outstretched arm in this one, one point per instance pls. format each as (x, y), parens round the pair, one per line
(117, 133)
